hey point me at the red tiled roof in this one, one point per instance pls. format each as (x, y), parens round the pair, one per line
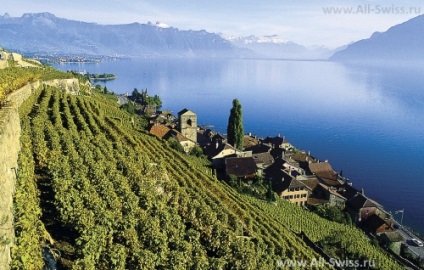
(249, 141)
(321, 167)
(165, 132)
(316, 201)
(296, 183)
(325, 172)
(311, 183)
(302, 157)
(159, 130)
(264, 158)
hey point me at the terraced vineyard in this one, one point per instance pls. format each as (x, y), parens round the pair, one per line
(105, 195)
(13, 78)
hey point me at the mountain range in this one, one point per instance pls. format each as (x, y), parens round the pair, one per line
(44, 32)
(403, 42)
(275, 47)
(48, 34)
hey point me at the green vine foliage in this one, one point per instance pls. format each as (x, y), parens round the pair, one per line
(14, 77)
(112, 196)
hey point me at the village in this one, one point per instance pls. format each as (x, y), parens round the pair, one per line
(295, 175)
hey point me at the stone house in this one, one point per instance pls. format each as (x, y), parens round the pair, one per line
(302, 159)
(204, 137)
(286, 185)
(185, 142)
(331, 195)
(361, 208)
(292, 169)
(263, 161)
(217, 150)
(164, 132)
(296, 192)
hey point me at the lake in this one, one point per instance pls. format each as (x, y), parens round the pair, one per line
(366, 120)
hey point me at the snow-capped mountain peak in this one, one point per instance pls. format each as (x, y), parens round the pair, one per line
(270, 39)
(275, 39)
(162, 25)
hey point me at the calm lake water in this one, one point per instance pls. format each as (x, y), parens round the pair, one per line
(367, 121)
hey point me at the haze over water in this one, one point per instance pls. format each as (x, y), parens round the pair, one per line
(367, 121)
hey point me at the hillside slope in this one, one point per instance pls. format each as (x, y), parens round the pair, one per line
(112, 197)
(99, 193)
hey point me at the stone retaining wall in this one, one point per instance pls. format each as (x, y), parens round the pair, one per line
(10, 131)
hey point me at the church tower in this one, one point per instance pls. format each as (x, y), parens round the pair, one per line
(188, 124)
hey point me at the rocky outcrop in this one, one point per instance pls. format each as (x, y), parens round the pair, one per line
(69, 86)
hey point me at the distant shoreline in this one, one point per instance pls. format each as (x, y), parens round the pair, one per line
(103, 79)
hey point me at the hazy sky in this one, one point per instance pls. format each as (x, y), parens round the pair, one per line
(301, 21)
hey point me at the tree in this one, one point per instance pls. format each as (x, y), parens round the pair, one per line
(135, 94)
(174, 143)
(233, 181)
(270, 195)
(235, 125)
(333, 213)
(129, 107)
(196, 151)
